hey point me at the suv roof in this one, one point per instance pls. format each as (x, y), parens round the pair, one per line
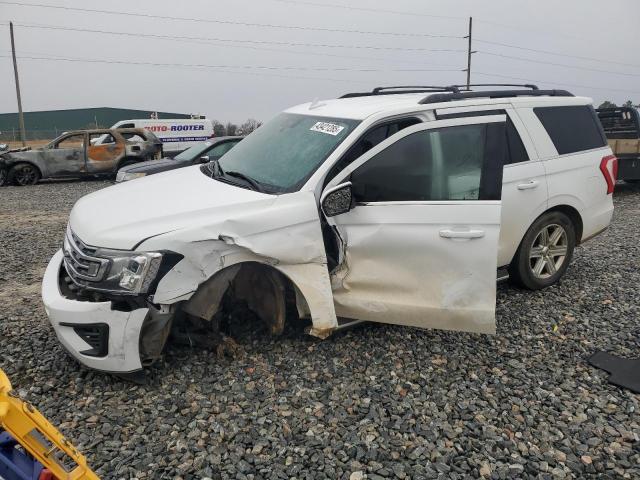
(361, 105)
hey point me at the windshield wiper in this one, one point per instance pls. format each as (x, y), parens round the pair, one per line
(249, 180)
(215, 168)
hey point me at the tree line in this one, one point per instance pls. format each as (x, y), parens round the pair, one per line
(608, 104)
(230, 129)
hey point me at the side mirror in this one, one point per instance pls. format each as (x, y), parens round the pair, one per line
(337, 200)
(205, 159)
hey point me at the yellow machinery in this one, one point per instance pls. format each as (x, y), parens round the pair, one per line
(44, 453)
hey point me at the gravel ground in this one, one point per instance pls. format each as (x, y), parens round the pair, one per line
(373, 402)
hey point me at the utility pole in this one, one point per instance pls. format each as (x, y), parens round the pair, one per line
(469, 52)
(15, 72)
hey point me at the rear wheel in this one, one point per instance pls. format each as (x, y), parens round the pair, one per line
(24, 174)
(545, 251)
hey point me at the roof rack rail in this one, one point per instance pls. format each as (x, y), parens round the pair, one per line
(450, 97)
(397, 90)
(525, 85)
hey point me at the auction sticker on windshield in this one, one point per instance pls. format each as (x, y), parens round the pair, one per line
(326, 127)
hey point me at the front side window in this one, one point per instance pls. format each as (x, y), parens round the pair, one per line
(220, 149)
(446, 163)
(72, 141)
(572, 128)
(369, 140)
(284, 152)
(194, 152)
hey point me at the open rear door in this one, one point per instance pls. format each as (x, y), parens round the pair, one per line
(420, 241)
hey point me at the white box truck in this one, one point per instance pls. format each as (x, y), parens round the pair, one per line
(176, 134)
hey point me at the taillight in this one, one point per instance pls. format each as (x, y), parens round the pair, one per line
(609, 168)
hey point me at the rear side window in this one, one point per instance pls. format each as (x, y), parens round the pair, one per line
(572, 128)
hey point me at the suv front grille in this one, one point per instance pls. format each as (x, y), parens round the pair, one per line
(80, 262)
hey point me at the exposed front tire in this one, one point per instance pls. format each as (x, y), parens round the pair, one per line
(545, 252)
(24, 174)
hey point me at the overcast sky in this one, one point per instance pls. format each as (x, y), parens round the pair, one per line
(245, 72)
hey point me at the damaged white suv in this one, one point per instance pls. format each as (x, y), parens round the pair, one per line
(397, 205)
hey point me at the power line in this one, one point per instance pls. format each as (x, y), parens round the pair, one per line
(419, 14)
(247, 67)
(257, 42)
(531, 60)
(374, 10)
(548, 52)
(225, 22)
(248, 44)
(549, 82)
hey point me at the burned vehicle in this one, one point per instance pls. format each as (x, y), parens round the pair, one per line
(398, 206)
(73, 154)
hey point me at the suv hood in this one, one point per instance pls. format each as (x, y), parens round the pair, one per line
(124, 215)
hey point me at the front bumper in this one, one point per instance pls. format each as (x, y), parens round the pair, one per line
(65, 315)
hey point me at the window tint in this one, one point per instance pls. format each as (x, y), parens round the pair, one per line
(369, 140)
(439, 164)
(517, 152)
(572, 129)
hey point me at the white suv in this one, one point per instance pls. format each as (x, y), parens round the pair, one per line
(397, 205)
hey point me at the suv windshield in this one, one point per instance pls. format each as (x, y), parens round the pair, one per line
(283, 153)
(193, 152)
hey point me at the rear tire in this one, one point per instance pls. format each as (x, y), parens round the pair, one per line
(24, 174)
(545, 252)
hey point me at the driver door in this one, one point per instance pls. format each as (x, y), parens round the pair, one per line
(420, 237)
(67, 156)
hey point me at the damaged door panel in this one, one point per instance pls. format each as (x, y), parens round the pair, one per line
(102, 157)
(418, 226)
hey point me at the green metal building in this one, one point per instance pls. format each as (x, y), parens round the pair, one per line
(48, 124)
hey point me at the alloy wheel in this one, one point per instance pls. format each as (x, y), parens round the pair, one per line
(548, 251)
(25, 175)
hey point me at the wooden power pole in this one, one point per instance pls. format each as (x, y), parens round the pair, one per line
(15, 72)
(469, 52)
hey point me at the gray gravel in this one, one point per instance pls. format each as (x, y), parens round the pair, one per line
(374, 402)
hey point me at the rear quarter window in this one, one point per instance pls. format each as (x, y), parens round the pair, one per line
(572, 128)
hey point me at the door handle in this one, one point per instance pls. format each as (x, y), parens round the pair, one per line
(461, 233)
(529, 185)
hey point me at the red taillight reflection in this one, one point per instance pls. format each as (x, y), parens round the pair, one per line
(609, 169)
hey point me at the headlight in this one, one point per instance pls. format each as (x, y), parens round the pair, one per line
(115, 271)
(128, 272)
(126, 176)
